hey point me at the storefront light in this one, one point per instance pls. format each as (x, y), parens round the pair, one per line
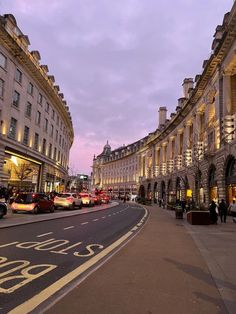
(14, 160)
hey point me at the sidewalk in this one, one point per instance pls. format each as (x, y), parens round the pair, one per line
(164, 269)
(11, 220)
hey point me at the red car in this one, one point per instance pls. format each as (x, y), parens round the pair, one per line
(105, 198)
(32, 202)
(97, 199)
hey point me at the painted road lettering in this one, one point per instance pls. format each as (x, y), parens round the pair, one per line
(21, 272)
(52, 244)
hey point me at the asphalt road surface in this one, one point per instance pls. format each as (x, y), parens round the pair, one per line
(39, 262)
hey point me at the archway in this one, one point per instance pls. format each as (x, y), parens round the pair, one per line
(141, 191)
(149, 192)
(155, 192)
(198, 187)
(178, 189)
(163, 191)
(230, 179)
(170, 192)
(212, 184)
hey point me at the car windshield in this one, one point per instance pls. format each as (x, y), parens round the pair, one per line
(24, 198)
(64, 195)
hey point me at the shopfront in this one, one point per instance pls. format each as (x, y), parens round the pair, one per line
(21, 172)
(230, 179)
(213, 189)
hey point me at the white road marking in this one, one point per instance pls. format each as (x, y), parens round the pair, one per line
(68, 227)
(8, 244)
(32, 303)
(84, 223)
(103, 217)
(44, 234)
(95, 219)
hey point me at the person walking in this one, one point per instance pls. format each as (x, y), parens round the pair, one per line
(213, 214)
(232, 210)
(223, 210)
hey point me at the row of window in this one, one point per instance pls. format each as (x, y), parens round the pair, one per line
(30, 90)
(57, 156)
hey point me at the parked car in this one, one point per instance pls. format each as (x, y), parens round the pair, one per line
(97, 199)
(105, 198)
(86, 199)
(3, 209)
(32, 202)
(67, 200)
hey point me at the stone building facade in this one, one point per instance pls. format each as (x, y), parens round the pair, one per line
(191, 155)
(36, 130)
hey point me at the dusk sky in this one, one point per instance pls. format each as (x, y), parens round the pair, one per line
(118, 61)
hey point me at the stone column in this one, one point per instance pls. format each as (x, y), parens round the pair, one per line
(226, 94)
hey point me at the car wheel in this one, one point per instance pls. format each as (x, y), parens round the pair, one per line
(55, 207)
(52, 209)
(73, 206)
(80, 206)
(36, 210)
(14, 211)
(1, 215)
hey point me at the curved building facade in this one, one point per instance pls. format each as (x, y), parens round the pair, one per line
(36, 130)
(191, 155)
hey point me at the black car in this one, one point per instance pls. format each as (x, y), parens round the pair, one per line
(3, 209)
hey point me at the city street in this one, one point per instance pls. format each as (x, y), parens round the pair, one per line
(58, 253)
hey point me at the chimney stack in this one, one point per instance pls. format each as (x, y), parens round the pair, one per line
(187, 84)
(162, 116)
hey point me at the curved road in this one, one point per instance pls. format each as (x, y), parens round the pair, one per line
(41, 261)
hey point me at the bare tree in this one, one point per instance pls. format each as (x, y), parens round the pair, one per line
(22, 172)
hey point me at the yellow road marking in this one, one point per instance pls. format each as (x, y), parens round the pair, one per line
(44, 234)
(32, 303)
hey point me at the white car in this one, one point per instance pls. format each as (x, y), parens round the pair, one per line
(67, 200)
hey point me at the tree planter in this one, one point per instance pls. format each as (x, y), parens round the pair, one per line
(198, 217)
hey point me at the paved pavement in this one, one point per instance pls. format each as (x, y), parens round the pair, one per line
(11, 220)
(169, 267)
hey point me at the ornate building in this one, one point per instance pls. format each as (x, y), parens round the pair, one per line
(36, 130)
(191, 154)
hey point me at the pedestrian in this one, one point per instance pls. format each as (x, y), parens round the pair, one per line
(232, 210)
(213, 214)
(183, 205)
(124, 198)
(222, 210)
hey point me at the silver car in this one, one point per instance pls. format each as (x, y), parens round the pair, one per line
(67, 200)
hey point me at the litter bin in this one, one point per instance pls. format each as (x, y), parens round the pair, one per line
(178, 212)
